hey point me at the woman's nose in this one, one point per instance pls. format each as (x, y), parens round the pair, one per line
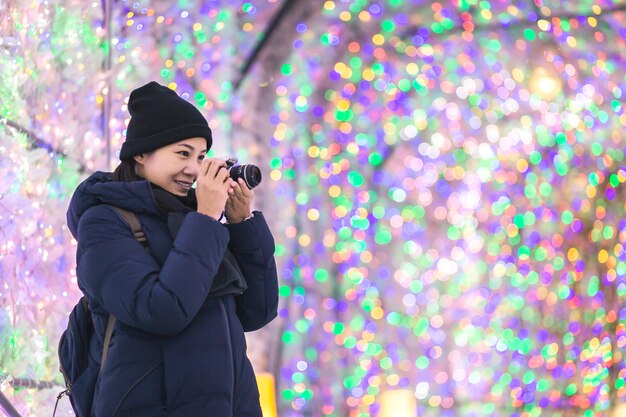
(192, 167)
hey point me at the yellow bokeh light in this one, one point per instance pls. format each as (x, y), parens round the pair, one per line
(434, 401)
(275, 175)
(341, 212)
(313, 214)
(571, 41)
(543, 24)
(345, 127)
(545, 83)
(513, 10)
(590, 190)
(334, 191)
(412, 68)
(393, 380)
(603, 256)
(377, 313)
(304, 240)
(313, 151)
(343, 104)
(518, 75)
(397, 403)
(378, 39)
(368, 74)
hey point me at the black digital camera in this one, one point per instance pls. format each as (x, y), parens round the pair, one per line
(251, 174)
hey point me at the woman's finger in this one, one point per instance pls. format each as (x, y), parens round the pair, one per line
(221, 175)
(204, 167)
(213, 168)
(244, 188)
(240, 192)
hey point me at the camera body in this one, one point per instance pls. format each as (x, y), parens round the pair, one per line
(251, 174)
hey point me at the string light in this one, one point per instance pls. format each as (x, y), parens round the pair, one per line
(545, 84)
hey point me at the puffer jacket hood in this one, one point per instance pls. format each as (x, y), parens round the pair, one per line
(100, 188)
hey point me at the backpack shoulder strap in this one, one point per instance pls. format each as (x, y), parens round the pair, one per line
(85, 304)
(107, 340)
(109, 331)
(133, 221)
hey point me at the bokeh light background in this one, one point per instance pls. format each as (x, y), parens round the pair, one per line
(445, 183)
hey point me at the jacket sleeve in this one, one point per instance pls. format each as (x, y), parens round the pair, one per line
(120, 274)
(252, 244)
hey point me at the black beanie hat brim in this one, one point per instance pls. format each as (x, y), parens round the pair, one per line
(168, 137)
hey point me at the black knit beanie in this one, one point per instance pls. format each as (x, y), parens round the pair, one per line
(159, 117)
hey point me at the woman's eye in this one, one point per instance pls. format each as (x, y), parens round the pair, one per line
(183, 153)
(201, 157)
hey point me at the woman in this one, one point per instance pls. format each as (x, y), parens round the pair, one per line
(182, 306)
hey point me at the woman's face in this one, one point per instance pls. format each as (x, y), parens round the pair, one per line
(173, 167)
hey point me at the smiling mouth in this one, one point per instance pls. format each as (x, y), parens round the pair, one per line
(184, 184)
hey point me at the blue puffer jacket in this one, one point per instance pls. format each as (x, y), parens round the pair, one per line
(175, 352)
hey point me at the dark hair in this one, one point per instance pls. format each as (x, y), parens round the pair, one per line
(125, 171)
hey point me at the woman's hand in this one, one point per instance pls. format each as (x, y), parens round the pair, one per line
(239, 203)
(213, 187)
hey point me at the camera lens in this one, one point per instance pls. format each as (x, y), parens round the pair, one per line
(251, 174)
